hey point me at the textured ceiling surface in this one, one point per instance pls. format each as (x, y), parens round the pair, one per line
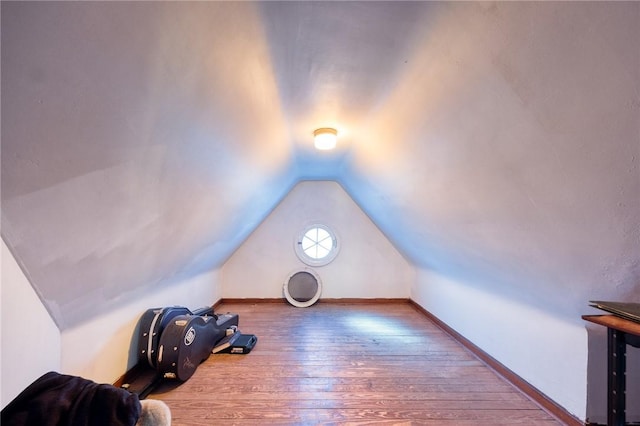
(496, 143)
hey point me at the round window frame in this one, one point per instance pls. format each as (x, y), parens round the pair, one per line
(297, 303)
(308, 260)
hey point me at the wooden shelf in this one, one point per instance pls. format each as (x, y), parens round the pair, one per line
(615, 322)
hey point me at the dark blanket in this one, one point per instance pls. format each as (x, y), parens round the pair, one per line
(57, 399)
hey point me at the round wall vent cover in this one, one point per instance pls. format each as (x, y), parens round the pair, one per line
(302, 288)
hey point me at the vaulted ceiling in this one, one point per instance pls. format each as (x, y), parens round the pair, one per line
(496, 143)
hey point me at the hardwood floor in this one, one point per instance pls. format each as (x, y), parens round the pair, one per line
(346, 364)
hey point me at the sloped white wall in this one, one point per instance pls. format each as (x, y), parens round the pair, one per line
(514, 177)
(553, 353)
(103, 348)
(99, 349)
(126, 155)
(547, 351)
(367, 266)
(30, 338)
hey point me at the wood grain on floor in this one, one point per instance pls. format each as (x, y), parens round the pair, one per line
(352, 364)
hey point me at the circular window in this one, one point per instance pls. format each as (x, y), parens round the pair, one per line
(316, 245)
(302, 288)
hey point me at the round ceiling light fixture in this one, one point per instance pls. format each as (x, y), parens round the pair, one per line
(325, 138)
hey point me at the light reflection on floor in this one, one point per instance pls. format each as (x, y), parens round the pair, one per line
(375, 325)
(356, 327)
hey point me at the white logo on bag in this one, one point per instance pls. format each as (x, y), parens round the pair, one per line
(190, 336)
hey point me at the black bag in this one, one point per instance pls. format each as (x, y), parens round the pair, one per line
(185, 342)
(153, 322)
(146, 375)
(243, 344)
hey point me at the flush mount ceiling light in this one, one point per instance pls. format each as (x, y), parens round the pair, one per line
(325, 138)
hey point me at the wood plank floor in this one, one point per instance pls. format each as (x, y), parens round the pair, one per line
(351, 364)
